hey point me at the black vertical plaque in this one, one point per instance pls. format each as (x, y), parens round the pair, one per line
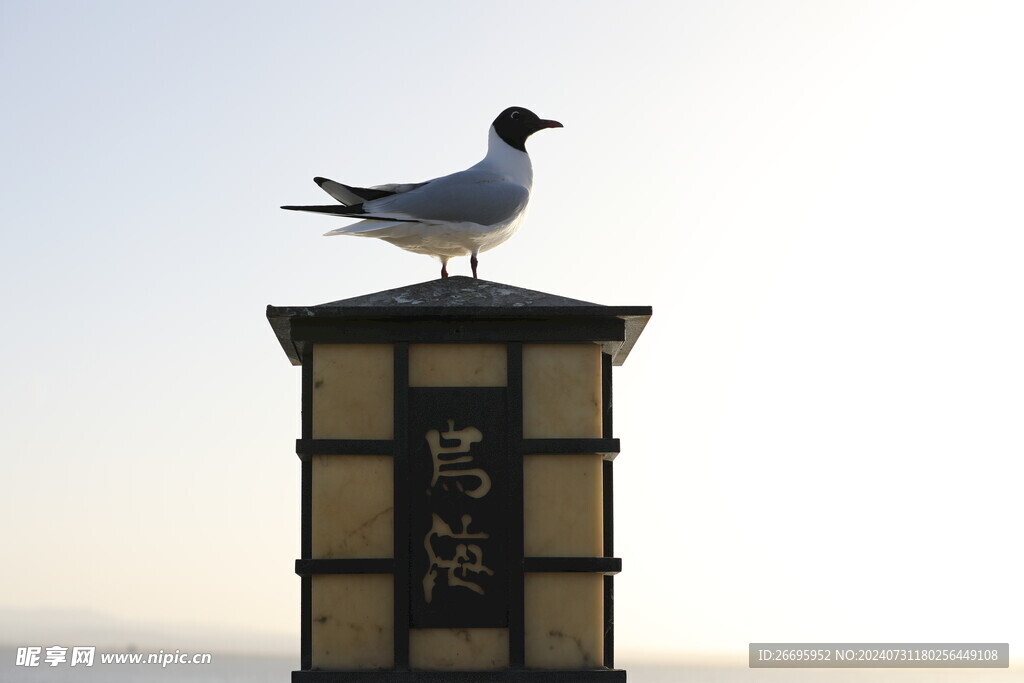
(458, 515)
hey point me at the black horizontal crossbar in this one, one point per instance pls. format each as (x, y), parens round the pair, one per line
(345, 566)
(606, 447)
(308, 447)
(505, 676)
(369, 331)
(590, 565)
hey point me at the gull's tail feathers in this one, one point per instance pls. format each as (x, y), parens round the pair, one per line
(330, 209)
(370, 222)
(370, 228)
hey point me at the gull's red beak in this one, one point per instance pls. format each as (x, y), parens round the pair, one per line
(545, 123)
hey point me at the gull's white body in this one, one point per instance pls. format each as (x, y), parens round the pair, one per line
(463, 225)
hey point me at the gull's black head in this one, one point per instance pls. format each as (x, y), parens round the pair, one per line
(515, 124)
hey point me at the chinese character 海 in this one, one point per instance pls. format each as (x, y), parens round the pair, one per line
(460, 563)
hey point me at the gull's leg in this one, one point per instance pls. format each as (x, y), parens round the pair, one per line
(444, 267)
(473, 262)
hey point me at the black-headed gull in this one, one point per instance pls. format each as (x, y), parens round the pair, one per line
(463, 213)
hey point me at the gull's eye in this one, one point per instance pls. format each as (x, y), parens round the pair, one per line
(514, 115)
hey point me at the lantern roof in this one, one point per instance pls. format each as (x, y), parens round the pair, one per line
(511, 312)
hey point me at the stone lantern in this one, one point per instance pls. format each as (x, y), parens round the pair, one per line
(456, 455)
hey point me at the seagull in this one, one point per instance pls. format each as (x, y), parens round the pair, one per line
(463, 213)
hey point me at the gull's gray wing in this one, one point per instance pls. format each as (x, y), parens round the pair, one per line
(466, 197)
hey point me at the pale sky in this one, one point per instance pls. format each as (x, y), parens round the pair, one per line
(821, 425)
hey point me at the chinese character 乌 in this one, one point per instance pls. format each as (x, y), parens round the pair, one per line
(447, 466)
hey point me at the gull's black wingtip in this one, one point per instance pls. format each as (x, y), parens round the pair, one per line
(320, 181)
(290, 208)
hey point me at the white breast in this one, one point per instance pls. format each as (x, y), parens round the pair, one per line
(506, 161)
